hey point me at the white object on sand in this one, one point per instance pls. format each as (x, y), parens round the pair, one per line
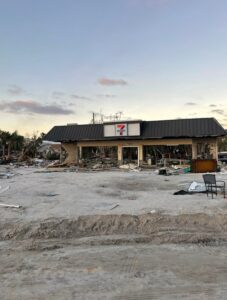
(10, 205)
(197, 187)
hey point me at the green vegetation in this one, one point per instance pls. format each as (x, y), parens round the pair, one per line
(10, 142)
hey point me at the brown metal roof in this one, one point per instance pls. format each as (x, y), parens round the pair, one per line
(180, 128)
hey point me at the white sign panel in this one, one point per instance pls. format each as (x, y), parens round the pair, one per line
(121, 129)
(134, 129)
(109, 130)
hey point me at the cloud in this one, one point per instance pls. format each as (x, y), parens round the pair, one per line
(213, 105)
(106, 96)
(15, 90)
(80, 97)
(190, 103)
(28, 106)
(218, 111)
(110, 82)
(57, 94)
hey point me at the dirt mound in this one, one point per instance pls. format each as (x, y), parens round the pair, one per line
(156, 227)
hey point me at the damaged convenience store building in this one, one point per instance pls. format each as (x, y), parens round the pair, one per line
(143, 142)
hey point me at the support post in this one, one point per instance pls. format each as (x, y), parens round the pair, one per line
(119, 154)
(194, 150)
(80, 152)
(140, 148)
(71, 150)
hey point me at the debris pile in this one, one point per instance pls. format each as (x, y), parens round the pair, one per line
(174, 170)
(98, 163)
(130, 167)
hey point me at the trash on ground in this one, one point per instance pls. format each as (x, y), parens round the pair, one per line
(115, 206)
(130, 167)
(6, 175)
(182, 192)
(10, 205)
(194, 187)
(173, 170)
(197, 187)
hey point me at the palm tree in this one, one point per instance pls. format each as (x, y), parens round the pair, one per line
(13, 141)
(17, 141)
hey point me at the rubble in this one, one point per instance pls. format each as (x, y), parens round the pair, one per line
(130, 166)
(6, 175)
(174, 170)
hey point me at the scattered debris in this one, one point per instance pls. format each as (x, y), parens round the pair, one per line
(182, 192)
(197, 187)
(194, 187)
(48, 194)
(10, 205)
(6, 175)
(164, 171)
(173, 170)
(115, 206)
(130, 167)
(97, 166)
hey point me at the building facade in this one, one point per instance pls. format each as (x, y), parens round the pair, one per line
(141, 141)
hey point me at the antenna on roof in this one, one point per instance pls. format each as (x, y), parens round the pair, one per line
(100, 118)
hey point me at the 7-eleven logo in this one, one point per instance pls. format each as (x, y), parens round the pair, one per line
(121, 129)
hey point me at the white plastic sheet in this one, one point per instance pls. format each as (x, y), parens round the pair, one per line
(197, 187)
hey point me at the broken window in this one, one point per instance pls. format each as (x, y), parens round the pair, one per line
(161, 154)
(204, 151)
(130, 155)
(99, 157)
(99, 152)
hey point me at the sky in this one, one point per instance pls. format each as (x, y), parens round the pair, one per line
(61, 60)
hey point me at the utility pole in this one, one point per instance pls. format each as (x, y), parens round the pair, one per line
(93, 118)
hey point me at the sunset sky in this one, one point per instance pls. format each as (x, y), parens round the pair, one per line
(151, 59)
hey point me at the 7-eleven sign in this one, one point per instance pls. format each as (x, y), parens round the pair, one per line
(121, 129)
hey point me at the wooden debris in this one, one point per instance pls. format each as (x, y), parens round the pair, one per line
(10, 205)
(113, 207)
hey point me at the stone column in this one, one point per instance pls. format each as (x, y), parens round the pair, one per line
(80, 152)
(140, 148)
(194, 150)
(71, 150)
(119, 154)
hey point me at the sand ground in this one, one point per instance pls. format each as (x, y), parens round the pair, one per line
(72, 194)
(66, 242)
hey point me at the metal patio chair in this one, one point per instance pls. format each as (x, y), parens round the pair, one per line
(213, 185)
